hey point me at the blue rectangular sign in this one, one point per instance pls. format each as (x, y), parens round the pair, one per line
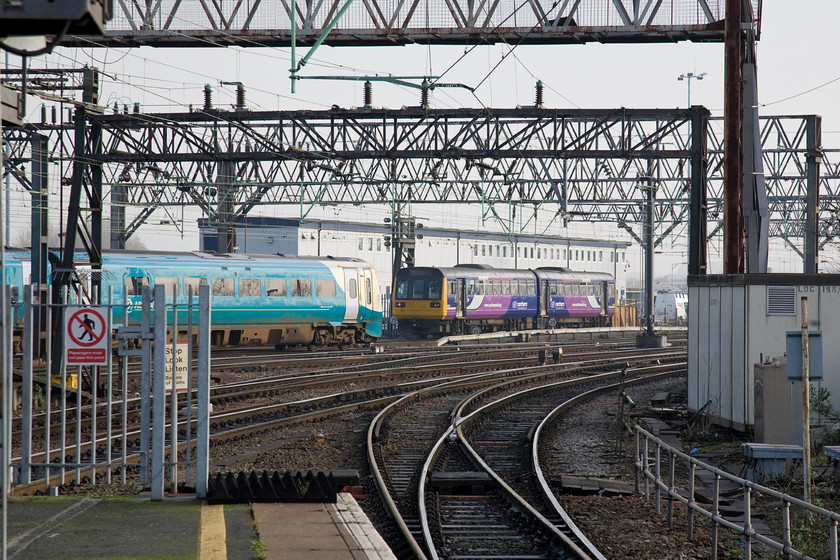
(794, 355)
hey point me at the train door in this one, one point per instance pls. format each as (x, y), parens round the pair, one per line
(351, 294)
(543, 298)
(460, 300)
(605, 298)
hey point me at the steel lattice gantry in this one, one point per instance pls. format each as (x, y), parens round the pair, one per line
(206, 23)
(592, 165)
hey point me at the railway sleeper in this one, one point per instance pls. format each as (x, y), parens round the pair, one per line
(464, 483)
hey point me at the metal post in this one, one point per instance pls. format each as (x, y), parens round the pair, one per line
(638, 464)
(747, 523)
(813, 158)
(690, 510)
(657, 455)
(188, 437)
(109, 392)
(832, 540)
(6, 381)
(63, 366)
(806, 408)
(202, 453)
(697, 219)
(48, 384)
(145, 384)
(648, 233)
(159, 394)
(646, 467)
(671, 491)
(26, 413)
(786, 527)
(715, 512)
(733, 226)
(173, 409)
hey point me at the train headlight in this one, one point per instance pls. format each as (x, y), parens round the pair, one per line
(399, 304)
(434, 304)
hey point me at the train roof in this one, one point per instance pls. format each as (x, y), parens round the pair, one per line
(485, 271)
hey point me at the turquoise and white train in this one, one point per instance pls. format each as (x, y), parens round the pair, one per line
(255, 299)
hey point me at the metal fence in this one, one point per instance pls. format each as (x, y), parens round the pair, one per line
(659, 470)
(84, 409)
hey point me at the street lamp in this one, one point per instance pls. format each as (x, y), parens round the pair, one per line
(688, 77)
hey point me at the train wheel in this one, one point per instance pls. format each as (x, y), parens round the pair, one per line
(279, 347)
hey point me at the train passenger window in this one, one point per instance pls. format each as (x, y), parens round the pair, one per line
(506, 287)
(222, 287)
(352, 290)
(249, 287)
(451, 287)
(193, 283)
(532, 288)
(325, 288)
(552, 288)
(134, 285)
(303, 288)
(470, 287)
(369, 290)
(170, 283)
(434, 289)
(497, 287)
(275, 287)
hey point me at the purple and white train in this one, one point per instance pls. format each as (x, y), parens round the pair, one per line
(478, 298)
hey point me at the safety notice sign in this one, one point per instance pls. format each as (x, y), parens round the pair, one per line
(86, 339)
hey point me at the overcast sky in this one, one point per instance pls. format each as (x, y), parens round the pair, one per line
(798, 74)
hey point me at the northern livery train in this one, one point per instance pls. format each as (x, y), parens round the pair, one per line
(478, 298)
(255, 299)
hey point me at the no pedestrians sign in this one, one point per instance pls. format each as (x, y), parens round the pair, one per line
(87, 336)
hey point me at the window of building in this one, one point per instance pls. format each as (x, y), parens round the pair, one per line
(600, 256)
(275, 287)
(564, 254)
(538, 253)
(532, 252)
(504, 251)
(484, 250)
(361, 244)
(325, 288)
(498, 251)
(250, 287)
(378, 243)
(370, 243)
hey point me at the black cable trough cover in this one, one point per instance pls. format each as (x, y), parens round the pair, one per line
(254, 486)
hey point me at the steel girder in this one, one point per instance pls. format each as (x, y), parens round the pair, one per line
(203, 23)
(589, 164)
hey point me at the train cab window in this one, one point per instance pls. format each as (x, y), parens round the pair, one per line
(193, 283)
(434, 289)
(249, 287)
(402, 289)
(223, 287)
(170, 283)
(134, 285)
(325, 288)
(368, 290)
(275, 287)
(303, 288)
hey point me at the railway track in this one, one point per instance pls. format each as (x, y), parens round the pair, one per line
(450, 500)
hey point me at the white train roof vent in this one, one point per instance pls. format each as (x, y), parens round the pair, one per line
(781, 300)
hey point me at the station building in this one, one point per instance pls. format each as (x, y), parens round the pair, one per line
(437, 247)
